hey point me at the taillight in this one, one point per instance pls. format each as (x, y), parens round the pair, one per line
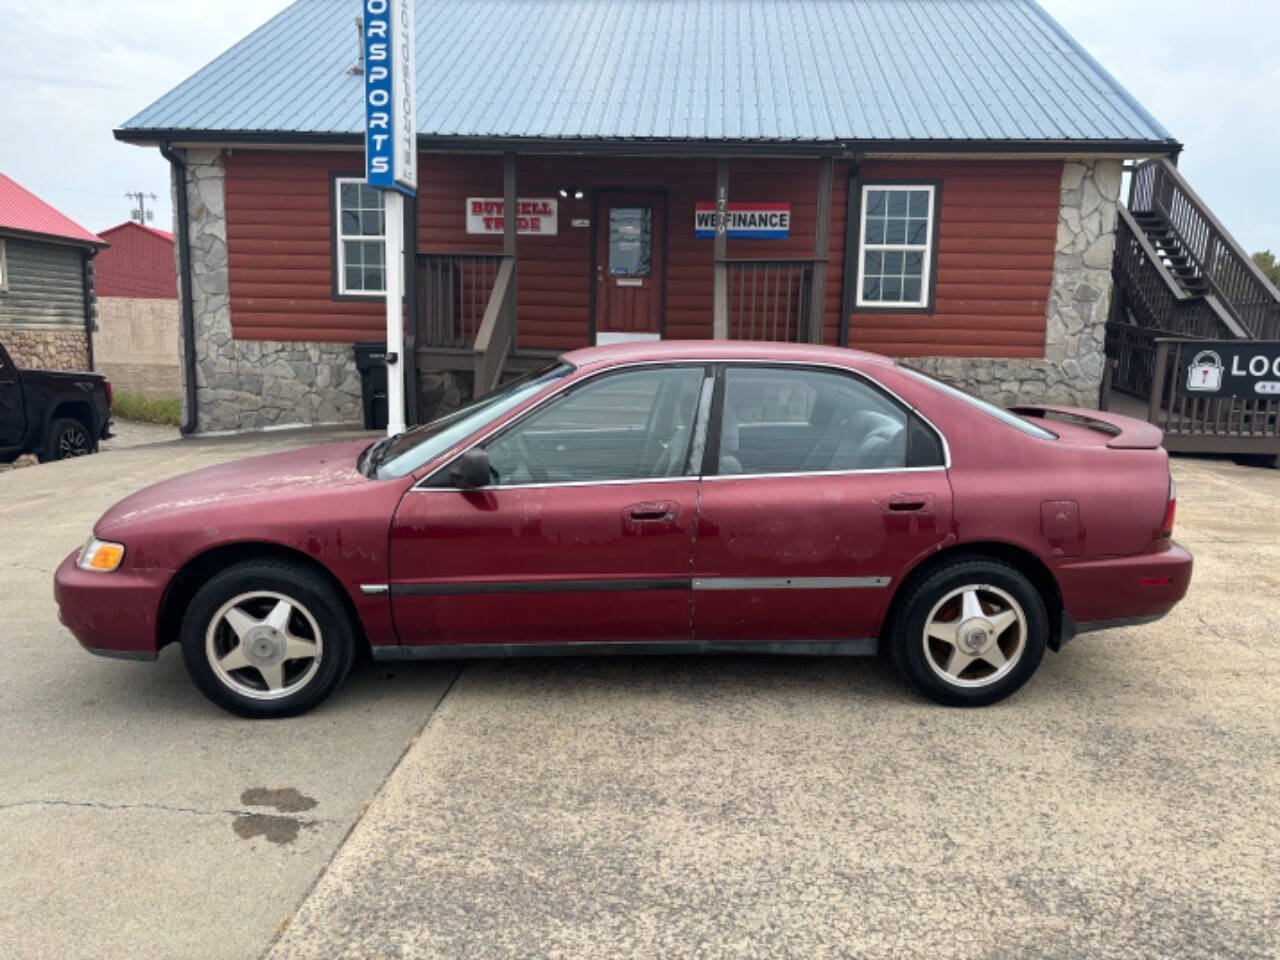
(111, 397)
(1166, 528)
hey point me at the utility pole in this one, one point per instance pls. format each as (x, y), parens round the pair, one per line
(140, 212)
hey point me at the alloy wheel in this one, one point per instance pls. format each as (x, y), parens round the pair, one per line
(264, 645)
(975, 635)
(73, 442)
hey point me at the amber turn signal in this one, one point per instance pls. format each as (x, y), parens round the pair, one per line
(101, 556)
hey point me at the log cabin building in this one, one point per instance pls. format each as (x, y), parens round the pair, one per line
(930, 180)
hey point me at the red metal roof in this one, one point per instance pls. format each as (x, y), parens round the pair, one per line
(22, 210)
(139, 263)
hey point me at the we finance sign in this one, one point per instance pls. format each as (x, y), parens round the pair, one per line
(764, 221)
(390, 109)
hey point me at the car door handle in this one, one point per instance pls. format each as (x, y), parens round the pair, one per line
(909, 502)
(652, 512)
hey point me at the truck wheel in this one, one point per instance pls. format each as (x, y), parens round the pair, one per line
(67, 438)
(970, 633)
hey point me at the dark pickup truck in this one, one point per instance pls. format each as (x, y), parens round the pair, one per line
(51, 413)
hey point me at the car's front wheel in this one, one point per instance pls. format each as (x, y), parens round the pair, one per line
(267, 638)
(970, 633)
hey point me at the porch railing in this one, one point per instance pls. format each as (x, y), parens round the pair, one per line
(1243, 289)
(1146, 289)
(1201, 422)
(497, 334)
(453, 293)
(770, 299)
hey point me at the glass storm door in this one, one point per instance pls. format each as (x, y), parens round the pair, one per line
(630, 257)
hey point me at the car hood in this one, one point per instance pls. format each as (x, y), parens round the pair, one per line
(297, 472)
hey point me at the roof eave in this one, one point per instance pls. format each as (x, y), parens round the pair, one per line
(36, 236)
(662, 147)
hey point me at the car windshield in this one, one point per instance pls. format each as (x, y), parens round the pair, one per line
(1004, 416)
(418, 446)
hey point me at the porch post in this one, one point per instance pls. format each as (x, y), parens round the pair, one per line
(821, 247)
(720, 296)
(509, 218)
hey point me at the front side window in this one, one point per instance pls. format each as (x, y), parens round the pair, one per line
(805, 420)
(4, 269)
(361, 238)
(896, 246)
(633, 425)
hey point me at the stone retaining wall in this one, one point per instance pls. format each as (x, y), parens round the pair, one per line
(59, 349)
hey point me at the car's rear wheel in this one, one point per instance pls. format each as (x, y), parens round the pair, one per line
(267, 638)
(67, 438)
(970, 633)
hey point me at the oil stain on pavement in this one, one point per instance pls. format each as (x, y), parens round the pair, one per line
(274, 827)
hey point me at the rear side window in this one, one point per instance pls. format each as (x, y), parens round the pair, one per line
(1004, 416)
(805, 420)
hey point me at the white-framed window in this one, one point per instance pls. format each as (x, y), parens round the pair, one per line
(896, 245)
(361, 238)
(4, 268)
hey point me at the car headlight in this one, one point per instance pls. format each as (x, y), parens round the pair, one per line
(100, 556)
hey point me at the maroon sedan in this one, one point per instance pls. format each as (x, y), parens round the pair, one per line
(651, 498)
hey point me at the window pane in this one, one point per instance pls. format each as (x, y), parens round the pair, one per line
(919, 203)
(875, 203)
(874, 262)
(364, 273)
(624, 426)
(871, 288)
(807, 421)
(371, 223)
(892, 290)
(629, 240)
(354, 277)
(895, 231)
(897, 203)
(350, 223)
(917, 231)
(911, 289)
(350, 195)
(893, 261)
(913, 262)
(875, 231)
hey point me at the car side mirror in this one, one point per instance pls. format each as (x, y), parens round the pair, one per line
(471, 470)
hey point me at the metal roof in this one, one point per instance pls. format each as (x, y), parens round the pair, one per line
(21, 211)
(681, 70)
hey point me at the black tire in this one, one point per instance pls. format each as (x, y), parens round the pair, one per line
(67, 438)
(316, 605)
(1021, 645)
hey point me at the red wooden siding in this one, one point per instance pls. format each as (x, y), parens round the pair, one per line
(279, 267)
(996, 234)
(994, 258)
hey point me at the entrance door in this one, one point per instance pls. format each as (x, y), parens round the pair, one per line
(630, 254)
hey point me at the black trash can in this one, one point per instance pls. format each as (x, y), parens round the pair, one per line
(371, 361)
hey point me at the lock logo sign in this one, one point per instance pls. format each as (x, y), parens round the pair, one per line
(1205, 372)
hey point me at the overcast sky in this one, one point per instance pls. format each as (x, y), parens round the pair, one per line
(73, 71)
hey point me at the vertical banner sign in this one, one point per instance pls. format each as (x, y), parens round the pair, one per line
(391, 162)
(390, 110)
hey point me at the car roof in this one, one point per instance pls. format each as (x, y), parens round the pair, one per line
(659, 350)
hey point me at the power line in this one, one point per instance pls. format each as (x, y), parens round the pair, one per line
(140, 212)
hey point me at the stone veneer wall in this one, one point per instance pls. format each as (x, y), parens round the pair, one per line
(1079, 298)
(58, 349)
(252, 384)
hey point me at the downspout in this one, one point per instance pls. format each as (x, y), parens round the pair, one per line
(188, 312)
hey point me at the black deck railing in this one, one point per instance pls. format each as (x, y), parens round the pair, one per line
(770, 299)
(1243, 289)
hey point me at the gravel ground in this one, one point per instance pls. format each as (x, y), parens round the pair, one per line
(1122, 805)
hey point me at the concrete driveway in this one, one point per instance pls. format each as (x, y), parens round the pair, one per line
(1124, 804)
(136, 819)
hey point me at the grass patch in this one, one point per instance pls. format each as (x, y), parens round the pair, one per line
(128, 405)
